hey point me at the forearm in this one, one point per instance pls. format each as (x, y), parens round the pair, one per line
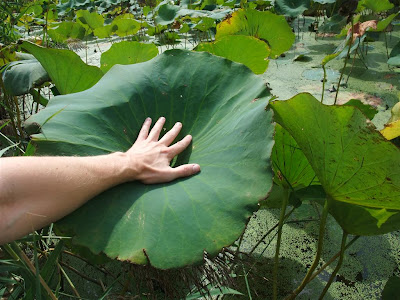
(36, 191)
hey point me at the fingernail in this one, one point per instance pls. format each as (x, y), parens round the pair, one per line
(161, 118)
(148, 120)
(196, 168)
(178, 124)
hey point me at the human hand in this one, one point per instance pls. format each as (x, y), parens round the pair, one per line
(150, 158)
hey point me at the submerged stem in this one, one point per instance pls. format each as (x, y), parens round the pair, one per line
(339, 264)
(322, 226)
(278, 242)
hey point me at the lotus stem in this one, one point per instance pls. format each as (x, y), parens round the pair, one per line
(278, 242)
(339, 264)
(323, 84)
(333, 259)
(306, 279)
(345, 61)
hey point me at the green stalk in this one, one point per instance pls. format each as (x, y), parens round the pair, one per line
(333, 259)
(339, 264)
(345, 61)
(322, 226)
(278, 242)
(323, 84)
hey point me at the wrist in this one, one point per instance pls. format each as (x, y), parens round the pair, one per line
(125, 168)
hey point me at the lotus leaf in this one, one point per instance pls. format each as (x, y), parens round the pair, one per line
(89, 20)
(166, 14)
(237, 48)
(19, 77)
(105, 31)
(65, 68)
(126, 24)
(368, 110)
(392, 289)
(394, 59)
(324, 1)
(126, 53)
(168, 225)
(375, 6)
(292, 8)
(292, 169)
(67, 30)
(263, 25)
(357, 167)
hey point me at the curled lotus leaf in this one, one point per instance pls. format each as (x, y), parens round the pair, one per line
(173, 224)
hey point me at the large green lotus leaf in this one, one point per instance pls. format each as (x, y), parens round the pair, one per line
(67, 30)
(357, 167)
(292, 8)
(261, 24)
(19, 77)
(65, 68)
(247, 50)
(126, 53)
(222, 107)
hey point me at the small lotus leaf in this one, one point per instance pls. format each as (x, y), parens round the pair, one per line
(168, 225)
(89, 20)
(237, 48)
(67, 30)
(263, 25)
(292, 8)
(126, 53)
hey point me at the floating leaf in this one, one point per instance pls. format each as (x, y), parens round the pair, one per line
(357, 167)
(126, 53)
(65, 68)
(168, 225)
(237, 48)
(263, 25)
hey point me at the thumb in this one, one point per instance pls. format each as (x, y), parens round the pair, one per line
(184, 171)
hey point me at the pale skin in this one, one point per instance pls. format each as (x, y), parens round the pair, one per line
(36, 191)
